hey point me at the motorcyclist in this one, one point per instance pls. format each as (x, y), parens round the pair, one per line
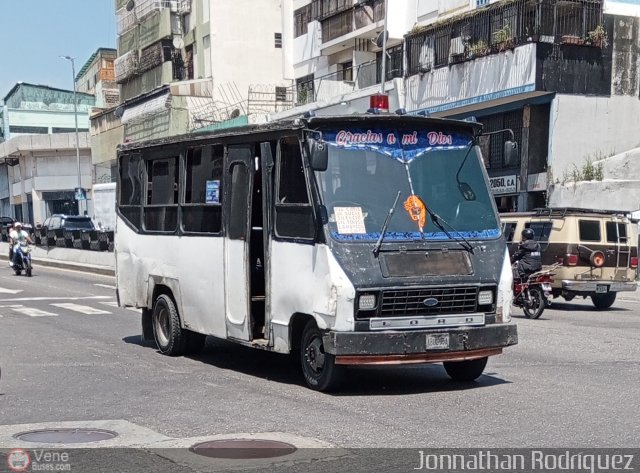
(528, 258)
(17, 237)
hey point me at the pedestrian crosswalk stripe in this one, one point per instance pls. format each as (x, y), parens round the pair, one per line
(33, 312)
(110, 303)
(107, 286)
(4, 290)
(84, 309)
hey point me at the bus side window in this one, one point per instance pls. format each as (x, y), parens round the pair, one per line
(161, 209)
(202, 207)
(541, 231)
(509, 230)
(294, 213)
(130, 187)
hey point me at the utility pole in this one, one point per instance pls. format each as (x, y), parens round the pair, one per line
(75, 114)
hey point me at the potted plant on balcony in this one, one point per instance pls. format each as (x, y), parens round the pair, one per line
(478, 49)
(597, 37)
(504, 38)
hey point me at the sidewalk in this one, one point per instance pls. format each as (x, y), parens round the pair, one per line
(97, 262)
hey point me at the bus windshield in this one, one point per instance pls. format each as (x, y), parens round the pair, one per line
(435, 171)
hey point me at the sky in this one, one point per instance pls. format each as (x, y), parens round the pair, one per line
(34, 33)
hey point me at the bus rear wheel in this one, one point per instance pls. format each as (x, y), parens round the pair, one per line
(468, 370)
(603, 301)
(318, 367)
(168, 334)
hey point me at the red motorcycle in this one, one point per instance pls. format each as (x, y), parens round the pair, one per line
(534, 293)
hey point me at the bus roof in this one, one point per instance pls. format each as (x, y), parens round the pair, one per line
(301, 123)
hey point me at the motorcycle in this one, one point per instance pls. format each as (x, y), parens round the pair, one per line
(24, 260)
(534, 293)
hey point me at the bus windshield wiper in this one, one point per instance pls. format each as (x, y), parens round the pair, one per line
(376, 249)
(439, 221)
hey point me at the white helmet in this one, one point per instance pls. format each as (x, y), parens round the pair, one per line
(17, 225)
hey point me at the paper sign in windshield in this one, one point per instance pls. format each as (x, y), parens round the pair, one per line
(213, 192)
(350, 220)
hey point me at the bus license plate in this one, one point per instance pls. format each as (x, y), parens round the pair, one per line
(437, 341)
(601, 288)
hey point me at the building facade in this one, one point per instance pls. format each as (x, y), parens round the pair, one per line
(549, 70)
(38, 152)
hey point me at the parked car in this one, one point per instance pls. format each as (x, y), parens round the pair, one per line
(54, 226)
(6, 222)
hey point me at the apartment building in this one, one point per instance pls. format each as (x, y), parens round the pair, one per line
(38, 154)
(184, 65)
(550, 70)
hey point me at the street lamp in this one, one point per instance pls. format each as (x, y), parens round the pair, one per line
(75, 114)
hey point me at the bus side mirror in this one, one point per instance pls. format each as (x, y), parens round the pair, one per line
(510, 153)
(318, 154)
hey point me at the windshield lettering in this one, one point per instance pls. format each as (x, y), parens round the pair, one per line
(439, 138)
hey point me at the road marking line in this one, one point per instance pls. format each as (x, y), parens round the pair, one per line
(31, 312)
(110, 303)
(21, 299)
(106, 285)
(84, 309)
(4, 290)
(115, 304)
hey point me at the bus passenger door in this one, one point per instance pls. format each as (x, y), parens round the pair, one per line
(236, 246)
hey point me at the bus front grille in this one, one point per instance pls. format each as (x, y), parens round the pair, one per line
(434, 301)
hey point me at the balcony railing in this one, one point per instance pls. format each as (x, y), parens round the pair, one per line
(504, 26)
(352, 19)
(330, 86)
(127, 19)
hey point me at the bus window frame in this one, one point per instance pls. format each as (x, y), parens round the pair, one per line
(309, 207)
(150, 155)
(183, 191)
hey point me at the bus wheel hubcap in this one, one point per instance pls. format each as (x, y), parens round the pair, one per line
(315, 355)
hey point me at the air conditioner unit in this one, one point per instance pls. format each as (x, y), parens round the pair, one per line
(174, 6)
(456, 46)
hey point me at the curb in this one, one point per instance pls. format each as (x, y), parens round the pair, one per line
(102, 270)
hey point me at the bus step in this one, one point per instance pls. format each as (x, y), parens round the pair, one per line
(257, 298)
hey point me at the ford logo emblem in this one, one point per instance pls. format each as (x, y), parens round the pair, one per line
(430, 302)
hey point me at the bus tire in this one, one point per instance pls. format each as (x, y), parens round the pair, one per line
(468, 370)
(168, 334)
(318, 368)
(147, 326)
(603, 301)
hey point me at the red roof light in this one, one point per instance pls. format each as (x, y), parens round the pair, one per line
(379, 101)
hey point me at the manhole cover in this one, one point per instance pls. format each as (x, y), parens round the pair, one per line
(243, 448)
(66, 435)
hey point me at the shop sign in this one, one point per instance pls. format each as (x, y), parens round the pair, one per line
(537, 182)
(504, 184)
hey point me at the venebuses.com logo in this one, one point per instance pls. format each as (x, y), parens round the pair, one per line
(18, 460)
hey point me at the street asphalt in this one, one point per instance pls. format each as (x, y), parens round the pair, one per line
(68, 354)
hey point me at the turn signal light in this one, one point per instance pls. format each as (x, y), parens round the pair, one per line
(571, 259)
(597, 259)
(634, 262)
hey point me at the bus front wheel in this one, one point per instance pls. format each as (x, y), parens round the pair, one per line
(468, 370)
(167, 332)
(319, 368)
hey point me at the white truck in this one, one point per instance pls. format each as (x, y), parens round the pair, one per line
(104, 206)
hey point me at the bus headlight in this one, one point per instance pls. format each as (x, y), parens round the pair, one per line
(367, 302)
(485, 297)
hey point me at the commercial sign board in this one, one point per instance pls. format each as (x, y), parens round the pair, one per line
(504, 184)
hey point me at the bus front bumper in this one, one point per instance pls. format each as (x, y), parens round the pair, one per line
(419, 346)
